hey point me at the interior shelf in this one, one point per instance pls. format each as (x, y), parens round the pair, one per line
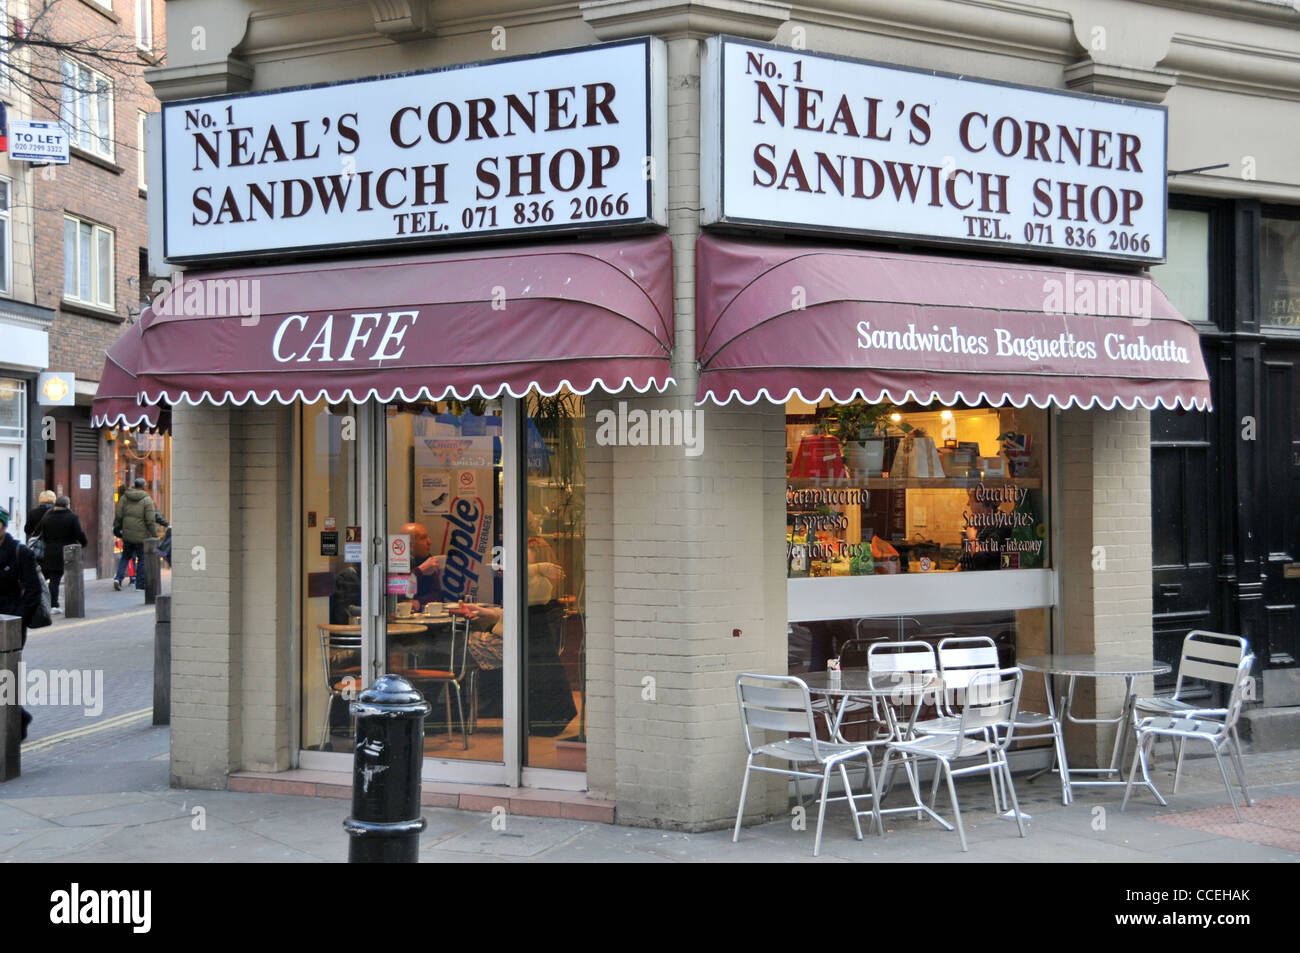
(912, 483)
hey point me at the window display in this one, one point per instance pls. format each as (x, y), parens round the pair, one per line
(877, 489)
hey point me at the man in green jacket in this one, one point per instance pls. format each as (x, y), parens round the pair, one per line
(138, 521)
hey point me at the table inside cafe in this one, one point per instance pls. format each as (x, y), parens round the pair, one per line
(422, 639)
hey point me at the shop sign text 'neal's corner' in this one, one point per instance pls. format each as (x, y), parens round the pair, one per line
(572, 140)
(817, 143)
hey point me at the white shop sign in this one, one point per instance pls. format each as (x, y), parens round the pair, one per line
(571, 140)
(798, 141)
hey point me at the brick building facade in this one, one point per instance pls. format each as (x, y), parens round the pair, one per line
(101, 192)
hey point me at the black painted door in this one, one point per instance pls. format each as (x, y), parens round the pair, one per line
(1280, 452)
(1185, 529)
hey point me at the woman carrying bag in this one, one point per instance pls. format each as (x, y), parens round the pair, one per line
(60, 527)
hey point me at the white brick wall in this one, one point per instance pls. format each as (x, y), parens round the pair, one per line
(1105, 480)
(231, 642)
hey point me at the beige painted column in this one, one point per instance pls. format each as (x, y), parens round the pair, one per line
(205, 597)
(232, 599)
(694, 546)
(1106, 560)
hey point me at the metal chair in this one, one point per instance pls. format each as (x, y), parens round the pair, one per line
(906, 660)
(1190, 725)
(782, 703)
(960, 659)
(1209, 656)
(990, 705)
(451, 677)
(340, 645)
(912, 658)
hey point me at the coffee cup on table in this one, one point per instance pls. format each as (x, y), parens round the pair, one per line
(404, 609)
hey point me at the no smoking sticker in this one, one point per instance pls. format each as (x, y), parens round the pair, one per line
(399, 553)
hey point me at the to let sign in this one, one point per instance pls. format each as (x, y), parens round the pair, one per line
(34, 141)
(570, 140)
(817, 143)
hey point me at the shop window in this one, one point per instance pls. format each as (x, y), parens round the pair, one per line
(555, 622)
(1185, 275)
(87, 262)
(879, 490)
(1280, 272)
(332, 594)
(87, 108)
(13, 408)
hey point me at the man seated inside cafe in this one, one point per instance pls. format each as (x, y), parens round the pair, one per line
(427, 569)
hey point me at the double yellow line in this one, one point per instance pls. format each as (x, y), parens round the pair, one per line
(58, 627)
(117, 721)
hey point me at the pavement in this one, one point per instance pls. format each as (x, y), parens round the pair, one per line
(95, 789)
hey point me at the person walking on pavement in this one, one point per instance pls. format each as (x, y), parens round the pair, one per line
(20, 586)
(44, 503)
(138, 519)
(60, 527)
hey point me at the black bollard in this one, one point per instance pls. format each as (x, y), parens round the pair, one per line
(147, 571)
(74, 583)
(11, 655)
(162, 661)
(385, 824)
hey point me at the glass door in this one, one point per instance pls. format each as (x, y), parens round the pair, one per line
(412, 516)
(444, 619)
(554, 549)
(333, 598)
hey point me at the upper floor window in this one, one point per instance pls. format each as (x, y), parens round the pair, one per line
(88, 108)
(144, 24)
(141, 139)
(87, 262)
(6, 238)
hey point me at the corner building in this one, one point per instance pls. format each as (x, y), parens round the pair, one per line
(680, 368)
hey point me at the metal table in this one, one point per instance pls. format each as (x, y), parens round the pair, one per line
(1090, 666)
(895, 690)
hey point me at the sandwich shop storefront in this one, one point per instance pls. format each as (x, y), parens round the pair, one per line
(966, 445)
(384, 464)
(393, 433)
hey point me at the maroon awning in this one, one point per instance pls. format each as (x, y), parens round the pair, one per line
(463, 323)
(778, 320)
(116, 401)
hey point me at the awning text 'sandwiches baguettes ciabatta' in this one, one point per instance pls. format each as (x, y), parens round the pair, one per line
(773, 321)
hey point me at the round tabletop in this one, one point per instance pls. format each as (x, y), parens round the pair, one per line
(1092, 665)
(859, 681)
